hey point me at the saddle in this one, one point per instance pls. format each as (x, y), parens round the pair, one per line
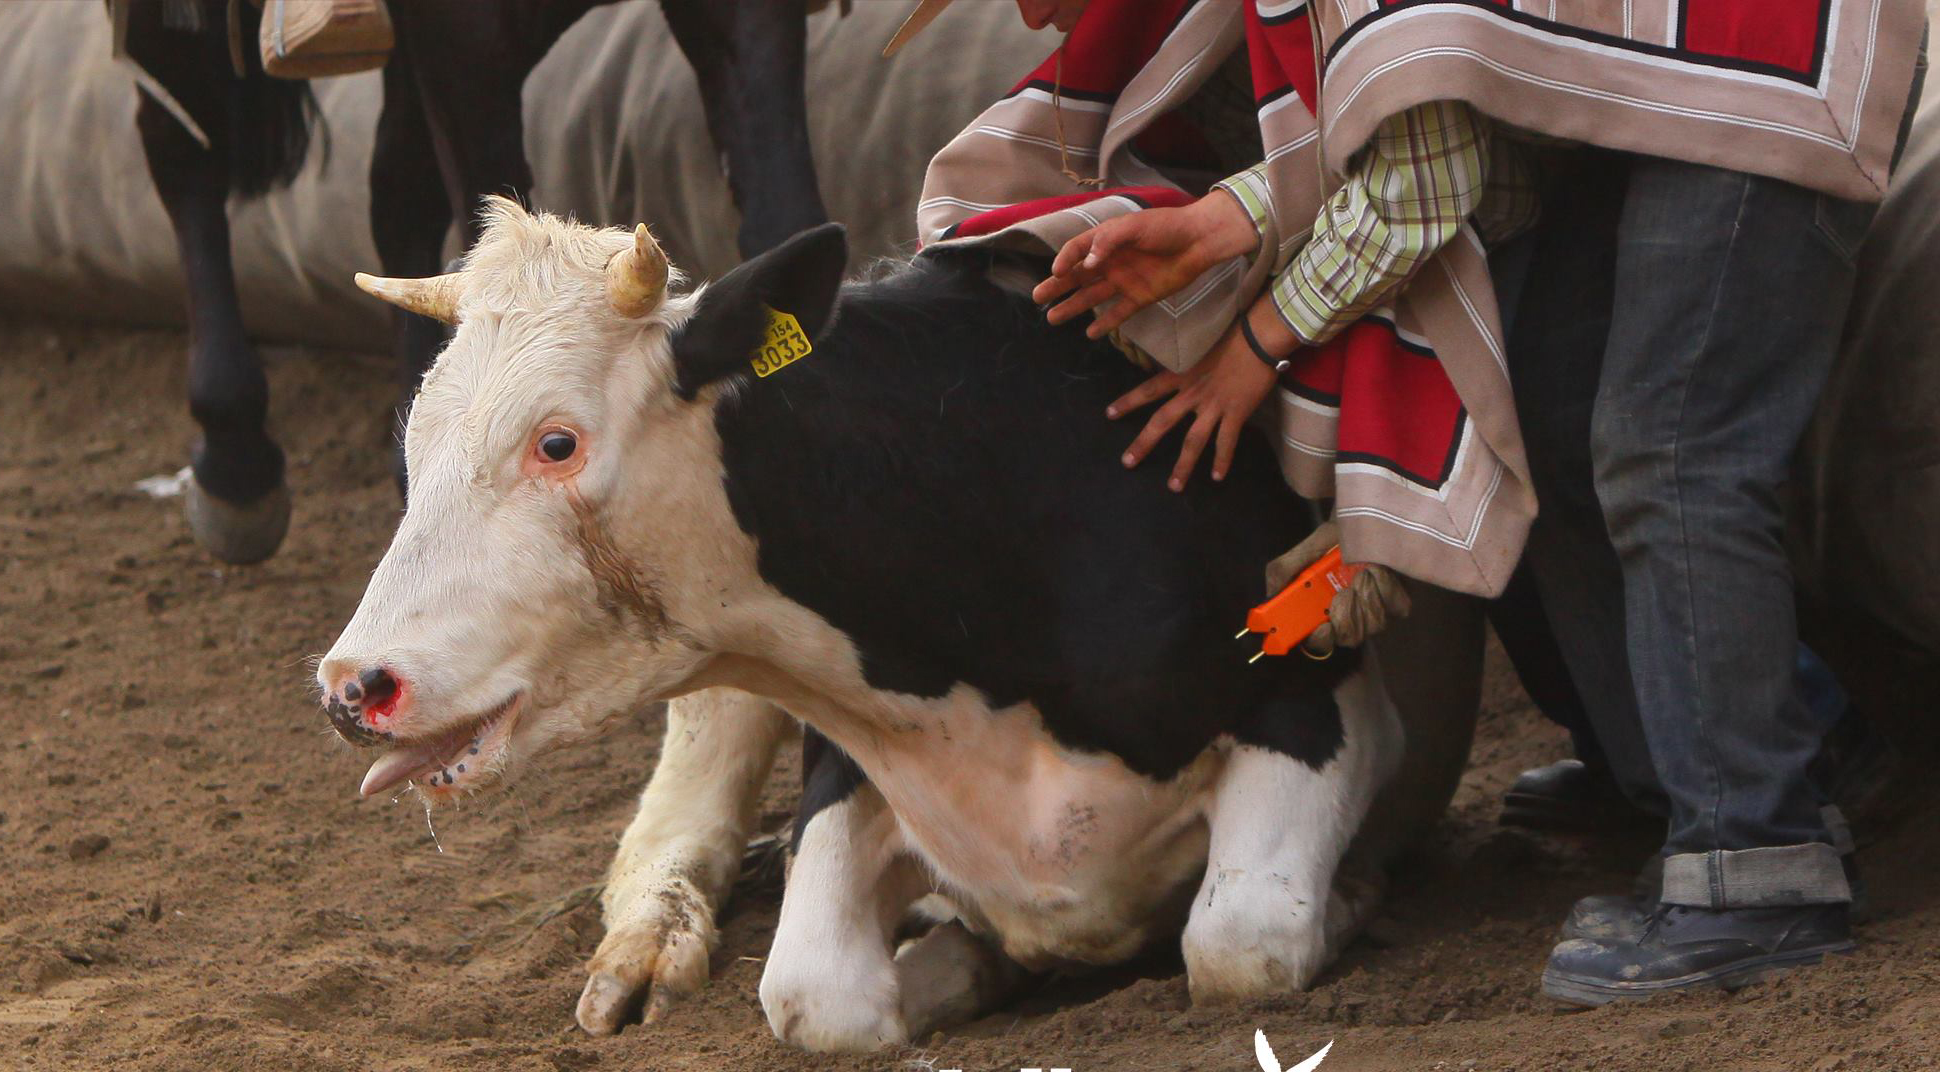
(319, 38)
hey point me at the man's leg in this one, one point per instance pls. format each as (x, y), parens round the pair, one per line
(1556, 286)
(1577, 793)
(1730, 293)
(1522, 624)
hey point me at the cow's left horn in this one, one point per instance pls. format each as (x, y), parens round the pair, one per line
(435, 297)
(637, 278)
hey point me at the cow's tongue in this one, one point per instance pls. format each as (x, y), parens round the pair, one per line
(398, 765)
(407, 761)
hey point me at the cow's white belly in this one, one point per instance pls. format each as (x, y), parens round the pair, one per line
(1061, 855)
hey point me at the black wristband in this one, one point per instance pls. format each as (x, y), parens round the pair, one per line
(1277, 364)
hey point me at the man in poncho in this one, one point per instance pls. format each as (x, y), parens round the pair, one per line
(1669, 194)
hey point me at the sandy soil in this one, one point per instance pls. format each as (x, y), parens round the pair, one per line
(190, 883)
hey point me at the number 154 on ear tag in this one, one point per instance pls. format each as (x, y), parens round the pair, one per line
(784, 344)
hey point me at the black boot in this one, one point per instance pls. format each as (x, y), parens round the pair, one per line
(1683, 948)
(1568, 795)
(1609, 917)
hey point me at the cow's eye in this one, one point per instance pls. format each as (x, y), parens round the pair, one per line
(558, 446)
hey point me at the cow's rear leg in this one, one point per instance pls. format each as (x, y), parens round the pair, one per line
(238, 506)
(679, 857)
(951, 976)
(1270, 913)
(832, 981)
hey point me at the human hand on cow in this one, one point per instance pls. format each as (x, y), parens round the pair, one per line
(1364, 608)
(1220, 392)
(1128, 262)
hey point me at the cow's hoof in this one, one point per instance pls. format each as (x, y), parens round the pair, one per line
(645, 965)
(1355, 902)
(820, 1011)
(242, 534)
(1252, 938)
(1282, 961)
(951, 976)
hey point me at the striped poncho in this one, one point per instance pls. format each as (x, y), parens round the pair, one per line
(1406, 419)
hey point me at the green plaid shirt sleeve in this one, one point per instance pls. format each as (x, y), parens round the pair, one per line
(1250, 189)
(1421, 174)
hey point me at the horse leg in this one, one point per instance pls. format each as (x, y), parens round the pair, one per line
(750, 60)
(409, 218)
(238, 505)
(452, 131)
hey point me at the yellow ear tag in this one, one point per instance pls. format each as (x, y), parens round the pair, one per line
(785, 344)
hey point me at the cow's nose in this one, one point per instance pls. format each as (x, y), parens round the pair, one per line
(372, 687)
(360, 701)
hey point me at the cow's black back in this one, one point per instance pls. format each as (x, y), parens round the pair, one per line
(939, 481)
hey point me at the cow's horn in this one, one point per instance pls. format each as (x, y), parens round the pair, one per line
(435, 297)
(637, 278)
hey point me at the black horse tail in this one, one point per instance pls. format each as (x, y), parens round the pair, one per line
(262, 126)
(273, 120)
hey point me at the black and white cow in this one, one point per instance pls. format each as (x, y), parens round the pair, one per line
(1014, 656)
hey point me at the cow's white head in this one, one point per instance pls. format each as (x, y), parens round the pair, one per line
(564, 535)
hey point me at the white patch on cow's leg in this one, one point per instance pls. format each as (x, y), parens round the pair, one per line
(1259, 924)
(680, 855)
(950, 976)
(830, 983)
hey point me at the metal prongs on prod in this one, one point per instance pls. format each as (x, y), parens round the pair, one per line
(1285, 621)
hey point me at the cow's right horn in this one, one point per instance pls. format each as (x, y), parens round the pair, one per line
(637, 278)
(435, 297)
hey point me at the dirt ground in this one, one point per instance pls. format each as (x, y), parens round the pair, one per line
(190, 882)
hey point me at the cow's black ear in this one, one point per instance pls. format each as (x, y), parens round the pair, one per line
(800, 277)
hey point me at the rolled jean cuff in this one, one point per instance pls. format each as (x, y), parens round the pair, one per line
(1757, 878)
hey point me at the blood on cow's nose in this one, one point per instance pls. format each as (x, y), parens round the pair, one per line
(360, 703)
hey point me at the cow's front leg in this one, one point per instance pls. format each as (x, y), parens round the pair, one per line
(679, 857)
(831, 983)
(1261, 922)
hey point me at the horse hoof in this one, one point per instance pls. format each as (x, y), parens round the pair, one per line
(238, 534)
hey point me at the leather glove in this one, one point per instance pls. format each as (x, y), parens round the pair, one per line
(1362, 609)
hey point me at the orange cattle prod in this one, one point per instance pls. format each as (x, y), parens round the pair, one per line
(1301, 607)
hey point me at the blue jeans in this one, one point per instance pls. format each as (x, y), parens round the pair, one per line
(1670, 328)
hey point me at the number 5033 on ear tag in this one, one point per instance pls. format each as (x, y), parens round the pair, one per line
(783, 344)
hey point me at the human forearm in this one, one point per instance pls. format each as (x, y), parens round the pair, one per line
(1420, 176)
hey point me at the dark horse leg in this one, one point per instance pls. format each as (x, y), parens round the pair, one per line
(750, 61)
(409, 218)
(238, 506)
(452, 130)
